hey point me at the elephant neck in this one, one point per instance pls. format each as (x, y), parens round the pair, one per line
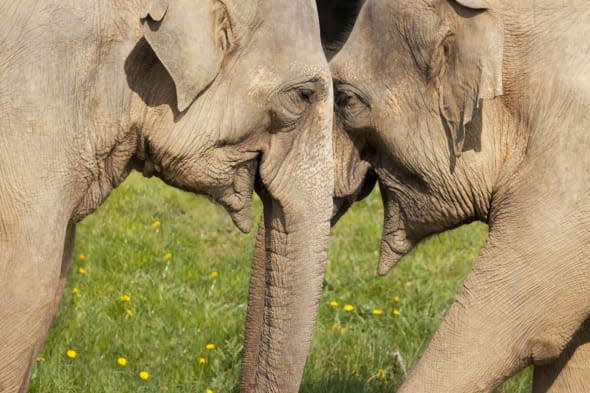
(497, 146)
(504, 138)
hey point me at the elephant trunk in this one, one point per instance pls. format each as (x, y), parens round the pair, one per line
(291, 252)
(255, 314)
(284, 295)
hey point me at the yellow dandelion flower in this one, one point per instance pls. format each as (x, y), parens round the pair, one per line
(167, 256)
(129, 312)
(144, 375)
(210, 346)
(156, 224)
(121, 361)
(40, 359)
(334, 303)
(213, 275)
(396, 299)
(82, 270)
(208, 391)
(409, 285)
(381, 373)
(125, 298)
(335, 326)
(75, 291)
(377, 311)
(348, 307)
(397, 312)
(82, 257)
(71, 353)
(343, 331)
(202, 361)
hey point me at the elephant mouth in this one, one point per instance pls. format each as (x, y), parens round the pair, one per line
(361, 188)
(237, 200)
(395, 242)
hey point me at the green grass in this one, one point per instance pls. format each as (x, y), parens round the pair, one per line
(177, 307)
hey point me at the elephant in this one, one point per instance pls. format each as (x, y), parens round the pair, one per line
(464, 110)
(221, 98)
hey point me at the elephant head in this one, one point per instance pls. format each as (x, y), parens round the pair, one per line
(410, 84)
(250, 108)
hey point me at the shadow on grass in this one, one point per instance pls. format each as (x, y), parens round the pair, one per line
(348, 385)
(356, 384)
(343, 385)
(338, 386)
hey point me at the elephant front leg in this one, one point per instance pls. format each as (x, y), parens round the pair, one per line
(571, 372)
(30, 270)
(521, 304)
(66, 262)
(26, 310)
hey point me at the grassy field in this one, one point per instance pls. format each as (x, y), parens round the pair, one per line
(160, 280)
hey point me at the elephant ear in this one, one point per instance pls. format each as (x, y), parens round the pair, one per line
(472, 53)
(190, 37)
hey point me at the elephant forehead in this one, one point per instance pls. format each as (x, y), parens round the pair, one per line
(288, 11)
(263, 83)
(266, 79)
(310, 70)
(348, 69)
(292, 26)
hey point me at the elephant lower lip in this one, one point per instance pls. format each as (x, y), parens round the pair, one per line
(359, 191)
(238, 200)
(340, 207)
(395, 242)
(392, 250)
(242, 220)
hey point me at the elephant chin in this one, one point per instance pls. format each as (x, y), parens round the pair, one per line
(238, 200)
(360, 190)
(394, 240)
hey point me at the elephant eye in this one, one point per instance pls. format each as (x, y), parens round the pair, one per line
(348, 104)
(290, 107)
(306, 95)
(351, 106)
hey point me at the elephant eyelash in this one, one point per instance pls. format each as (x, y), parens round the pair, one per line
(349, 104)
(351, 91)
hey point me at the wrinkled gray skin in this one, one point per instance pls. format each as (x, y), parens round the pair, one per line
(467, 110)
(215, 98)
